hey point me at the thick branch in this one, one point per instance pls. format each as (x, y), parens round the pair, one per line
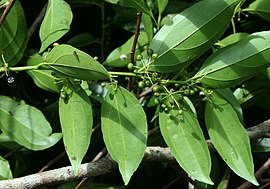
(106, 165)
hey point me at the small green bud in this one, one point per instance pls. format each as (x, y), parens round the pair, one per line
(139, 57)
(130, 66)
(141, 84)
(155, 56)
(150, 52)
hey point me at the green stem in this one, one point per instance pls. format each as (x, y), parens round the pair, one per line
(123, 74)
(23, 68)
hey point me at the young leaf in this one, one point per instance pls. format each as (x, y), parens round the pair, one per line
(124, 129)
(76, 120)
(5, 172)
(162, 5)
(260, 8)
(229, 136)
(236, 63)
(42, 78)
(195, 34)
(70, 62)
(184, 137)
(13, 35)
(26, 125)
(56, 22)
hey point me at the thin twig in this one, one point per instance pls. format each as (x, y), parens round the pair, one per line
(171, 183)
(6, 11)
(53, 161)
(37, 21)
(132, 52)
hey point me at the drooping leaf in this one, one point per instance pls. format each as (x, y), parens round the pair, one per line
(236, 63)
(56, 23)
(26, 125)
(120, 57)
(13, 35)
(76, 120)
(184, 137)
(42, 78)
(71, 62)
(5, 172)
(229, 137)
(187, 36)
(260, 8)
(124, 128)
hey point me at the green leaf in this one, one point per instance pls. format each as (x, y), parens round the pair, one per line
(147, 27)
(120, 57)
(195, 34)
(229, 136)
(112, 1)
(71, 62)
(231, 39)
(162, 5)
(124, 128)
(81, 40)
(13, 35)
(5, 172)
(56, 23)
(140, 5)
(26, 125)
(260, 8)
(76, 122)
(236, 63)
(184, 137)
(261, 145)
(228, 95)
(42, 78)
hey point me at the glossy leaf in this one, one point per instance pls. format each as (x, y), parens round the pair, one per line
(68, 61)
(56, 23)
(26, 125)
(124, 128)
(236, 63)
(13, 35)
(42, 78)
(260, 8)
(229, 137)
(184, 137)
(76, 120)
(120, 57)
(5, 172)
(195, 34)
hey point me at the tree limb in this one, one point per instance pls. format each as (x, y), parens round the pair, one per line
(106, 165)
